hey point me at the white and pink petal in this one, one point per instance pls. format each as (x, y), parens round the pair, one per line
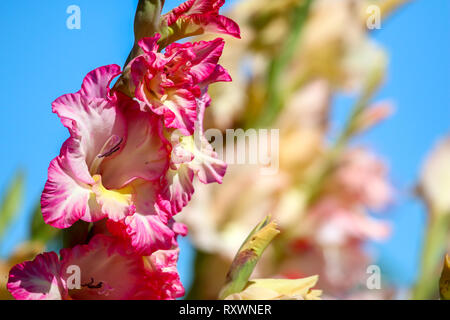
(207, 54)
(204, 14)
(96, 83)
(217, 24)
(39, 279)
(179, 110)
(166, 280)
(147, 230)
(145, 154)
(177, 189)
(64, 200)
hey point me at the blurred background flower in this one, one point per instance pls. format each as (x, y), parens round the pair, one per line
(348, 162)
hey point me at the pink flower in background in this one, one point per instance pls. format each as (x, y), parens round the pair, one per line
(338, 224)
(111, 165)
(335, 223)
(108, 269)
(340, 268)
(198, 16)
(362, 177)
(170, 83)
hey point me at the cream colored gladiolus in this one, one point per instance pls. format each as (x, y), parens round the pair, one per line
(435, 179)
(279, 289)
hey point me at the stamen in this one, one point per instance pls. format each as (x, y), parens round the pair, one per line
(111, 145)
(91, 284)
(115, 141)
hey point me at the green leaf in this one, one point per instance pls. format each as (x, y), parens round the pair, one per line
(433, 249)
(11, 201)
(39, 230)
(248, 255)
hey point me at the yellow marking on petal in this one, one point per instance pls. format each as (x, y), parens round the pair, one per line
(188, 143)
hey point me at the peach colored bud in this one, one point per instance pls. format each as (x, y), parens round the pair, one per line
(374, 115)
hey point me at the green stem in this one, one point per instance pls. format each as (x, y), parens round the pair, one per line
(349, 130)
(336, 150)
(279, 64)
(146, 24)
(194, 292)
(313, 186)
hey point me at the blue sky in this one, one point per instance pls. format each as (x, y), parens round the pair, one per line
(42, 59)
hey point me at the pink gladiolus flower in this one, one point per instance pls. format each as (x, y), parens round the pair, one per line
(170, 83)
(198, 16)
(111, 166)
(174, 85)
(128, 167)
(191, 156)
(107, 269)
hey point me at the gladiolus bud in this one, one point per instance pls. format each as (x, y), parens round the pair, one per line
(147, 19)
(248, 255)
(374, 115)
